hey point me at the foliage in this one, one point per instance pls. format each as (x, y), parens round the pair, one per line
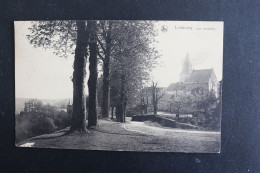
(29, 124)
(180, 103)
(67, 37)
(57, 35)
(62, 120)
(157, 94)
(203, 104)
(203, 100)
(213, 120)
(132, 58)
(144, 96)
(43, 125)
(126, 49)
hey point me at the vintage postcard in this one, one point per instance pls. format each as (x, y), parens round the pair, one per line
(119, 85)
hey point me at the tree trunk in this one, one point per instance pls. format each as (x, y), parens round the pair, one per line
(147, 103)
(142, 107)
(119, 112)
(155, 108)
(154, 94)
(178, 110)
(79, 100)
(178, 114)
(105, 98)
(92, 82)
(120, 106)
(106, 66)
(112, 112)
(124, 113)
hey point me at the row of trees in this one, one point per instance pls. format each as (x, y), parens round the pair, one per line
(177, 101)
(196, 100)
(150, 96)
(203, 104)
(123, 48)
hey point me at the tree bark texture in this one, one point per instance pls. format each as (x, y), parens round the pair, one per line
(106, 70)
(113, 100)
(120, 108)
(112, 112)
(155, 108)
(147, 104)
(155, 103)
(124, 110)
(92, 81)
(79, 100)
(105, 98)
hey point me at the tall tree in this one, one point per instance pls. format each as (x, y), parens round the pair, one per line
(79, 99)
(92, 82)
(121, 39)
(144, 98)
(157, 94)
(67, 37)
(104, 39)
(113, 99)
(133, 56)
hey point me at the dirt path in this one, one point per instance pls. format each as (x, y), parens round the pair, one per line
(133, 136)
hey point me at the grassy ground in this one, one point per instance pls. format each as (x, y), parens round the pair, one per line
(131, 136)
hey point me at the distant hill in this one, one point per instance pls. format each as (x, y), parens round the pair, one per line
(59, 103)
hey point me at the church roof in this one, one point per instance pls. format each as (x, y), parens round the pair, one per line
(200, 76)
(197, 76)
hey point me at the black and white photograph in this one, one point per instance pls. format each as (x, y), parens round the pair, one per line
(119, 85)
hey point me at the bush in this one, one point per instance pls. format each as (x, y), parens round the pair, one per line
(62, 120)
(43, 125)
(213, 119)
(22, 128)
(32, 124)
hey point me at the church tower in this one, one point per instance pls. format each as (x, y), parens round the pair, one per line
(186, 69)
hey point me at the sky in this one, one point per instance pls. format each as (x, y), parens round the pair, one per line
(38, 72)
(41, 74)
(202, 41)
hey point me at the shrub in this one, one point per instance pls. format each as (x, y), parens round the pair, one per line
(43, 125)
(62, 120)
(213, 119)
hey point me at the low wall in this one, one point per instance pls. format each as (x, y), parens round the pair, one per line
(166, 122)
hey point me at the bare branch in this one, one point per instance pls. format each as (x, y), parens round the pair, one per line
(102, 57)
(101, 44)
(160, 97)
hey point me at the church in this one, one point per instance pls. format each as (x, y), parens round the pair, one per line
(191, 80)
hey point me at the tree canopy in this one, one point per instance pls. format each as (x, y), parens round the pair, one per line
(125, 48)
(60, 36)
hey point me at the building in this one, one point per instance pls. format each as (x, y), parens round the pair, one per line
(190, 80)
(29, 106)
(203, 79)
(186, 70)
